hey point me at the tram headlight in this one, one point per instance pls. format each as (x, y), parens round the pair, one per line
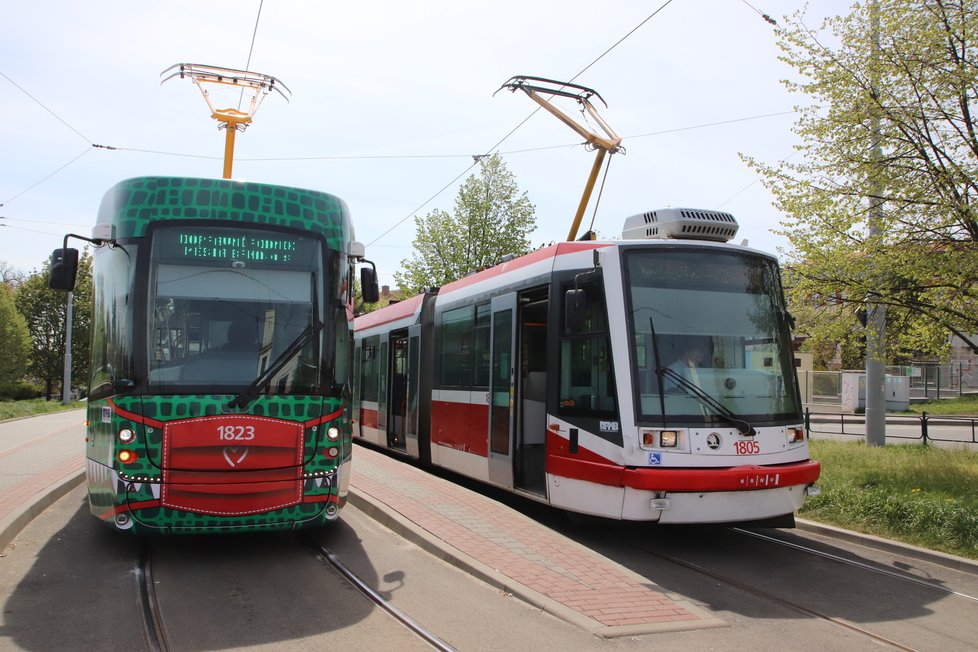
(333, 433)
(127, 436)
(660, 438)
(796, 434)
(668, 438)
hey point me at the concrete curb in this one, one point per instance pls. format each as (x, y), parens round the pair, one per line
(401, 526)
(887, 545)
(13, 523)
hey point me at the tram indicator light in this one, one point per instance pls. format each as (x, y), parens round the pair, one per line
(126, 456)
(660, 438)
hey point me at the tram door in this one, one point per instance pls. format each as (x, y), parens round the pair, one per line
(398, 386)
(413, 390)
(382, 383)
(502, 388)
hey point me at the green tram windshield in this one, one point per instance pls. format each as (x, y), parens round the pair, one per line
(716, 319)
(226, 303)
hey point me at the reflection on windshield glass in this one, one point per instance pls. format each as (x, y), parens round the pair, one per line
(715, 320)
(217, 326)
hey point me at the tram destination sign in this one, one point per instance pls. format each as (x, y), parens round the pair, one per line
(205, 244)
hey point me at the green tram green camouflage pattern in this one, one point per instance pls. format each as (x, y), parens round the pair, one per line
(136, 489)
(132, 205)
(215, 492)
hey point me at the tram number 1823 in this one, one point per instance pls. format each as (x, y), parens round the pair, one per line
(236, 433)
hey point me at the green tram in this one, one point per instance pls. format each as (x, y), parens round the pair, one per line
(219, 395)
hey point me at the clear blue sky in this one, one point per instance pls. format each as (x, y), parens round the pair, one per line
(390, 101)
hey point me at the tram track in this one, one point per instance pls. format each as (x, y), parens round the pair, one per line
(327, 556)
(154, 629)
(905, 577)
(764, 594)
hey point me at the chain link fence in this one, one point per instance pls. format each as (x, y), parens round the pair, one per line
(927, 382)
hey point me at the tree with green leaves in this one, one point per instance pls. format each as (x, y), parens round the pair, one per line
(15, 340)
(45, 311)
(492, 219)
(880, 196)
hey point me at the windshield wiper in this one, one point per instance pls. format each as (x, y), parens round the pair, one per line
(718, 408)
(265, 377)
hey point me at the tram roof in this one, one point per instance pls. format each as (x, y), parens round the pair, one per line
(131, 206)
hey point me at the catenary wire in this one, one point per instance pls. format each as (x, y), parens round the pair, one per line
(37, 183)
(43, 106)
(521, 123)
(251, 49)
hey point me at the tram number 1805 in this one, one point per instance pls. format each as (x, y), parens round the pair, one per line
(747, 447)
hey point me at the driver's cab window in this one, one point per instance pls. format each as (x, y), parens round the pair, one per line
(586, 373)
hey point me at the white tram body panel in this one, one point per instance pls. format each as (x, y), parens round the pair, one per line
(557, 375)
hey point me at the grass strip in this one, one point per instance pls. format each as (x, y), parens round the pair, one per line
(922, 495)
(17, 409)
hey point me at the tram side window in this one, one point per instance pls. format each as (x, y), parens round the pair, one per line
(586, 372)
(456, 347)
(482, 345)
(112, 321)
(370, 355)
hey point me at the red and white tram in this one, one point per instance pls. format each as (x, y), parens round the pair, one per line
(567, 375)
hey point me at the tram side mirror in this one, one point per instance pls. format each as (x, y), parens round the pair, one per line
(64, 269)
(368, 285)
(574, 317)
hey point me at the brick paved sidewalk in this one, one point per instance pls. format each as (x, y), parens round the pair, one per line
(515, 553)
(41, 459)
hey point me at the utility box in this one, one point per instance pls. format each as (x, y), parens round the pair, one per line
(896, 392)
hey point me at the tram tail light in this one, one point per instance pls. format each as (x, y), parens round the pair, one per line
(796, 434)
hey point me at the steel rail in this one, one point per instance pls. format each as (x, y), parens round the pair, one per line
(767, 595)
(858, 564)
(149, 606)
(326, 555)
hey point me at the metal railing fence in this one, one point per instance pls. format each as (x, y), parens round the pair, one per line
(928, 429)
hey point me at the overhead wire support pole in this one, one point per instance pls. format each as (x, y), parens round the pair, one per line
(540, 91)
(208, 78)
(875, 309)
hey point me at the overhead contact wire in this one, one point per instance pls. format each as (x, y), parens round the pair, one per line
(521, 123)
